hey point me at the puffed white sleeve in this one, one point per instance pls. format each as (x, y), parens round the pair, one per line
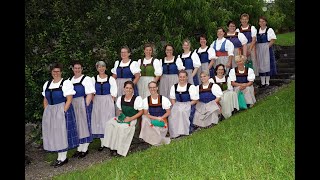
(157, 67)
(139, 62)
(67, 88)
(230, 87)
(114, 69)
(166, 104)
(118, 103)
(88, 85)
(251, 75)
(145, 104)
(138, 103)
(93, 81)
(243, 39)
(271, 34)
(253, 31)
(195, 60)
(232, 75)
(172, 93)
(229, 47)
(113, 87)
(179, 63)
(44, 88)
(216, 90)
(194, 92)
(212, 53)
(211, 45)
(237, 30)
(211, 80)
(134, 67)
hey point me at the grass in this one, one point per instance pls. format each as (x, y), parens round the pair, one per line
(286, 39)
(254, 144)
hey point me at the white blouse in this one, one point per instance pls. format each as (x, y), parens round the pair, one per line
(137, 103)
(229, 45)
(165, 102)
(67, 87)
(156, 65)
(193, 91)
(87, 83)
(112, 81)
(134, 67)
(242, 38)
(195, 60)
(215, 89)
(211, 52)
(253, 30)
(270, 33)
(251, 76)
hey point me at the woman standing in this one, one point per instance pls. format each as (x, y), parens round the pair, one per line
(119, 134)
(224, 50)
(183, 96)
(154, 126)
(238, 40)
(59, 129)
(151, 70)
(126, 70)
(207, 109)
(103, 102)
(190, 62)
(265, 55)
(82, 104)
(242, 78)
(229, 99)
(170, 71)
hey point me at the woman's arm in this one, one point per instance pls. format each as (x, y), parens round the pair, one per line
(67, 105)
(45, 103)
(128, 119)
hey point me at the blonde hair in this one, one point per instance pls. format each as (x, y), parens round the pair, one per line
(205, 72)
(239, 58)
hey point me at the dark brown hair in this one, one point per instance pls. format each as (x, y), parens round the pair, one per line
(128, 82)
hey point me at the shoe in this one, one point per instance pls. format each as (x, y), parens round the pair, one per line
(59, 163)
(262, 86)
(101, 148)
(83, 154)
(267, 85)
(76, 154)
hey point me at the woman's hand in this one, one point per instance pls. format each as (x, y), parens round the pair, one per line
(127, 119)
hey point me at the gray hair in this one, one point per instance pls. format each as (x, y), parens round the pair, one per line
(205, 72)
(100, 63)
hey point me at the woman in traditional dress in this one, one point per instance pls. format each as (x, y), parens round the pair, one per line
(183, 96)
(190, 62)
(207, 109)
(265, 55)
(151, 70)
(82, 104)
(126, 70)
(224, 50)
(242, 78)
(103, 102)
(229, 99)
(154, 126)
(170, 71)
(120, 130)
(59, 129)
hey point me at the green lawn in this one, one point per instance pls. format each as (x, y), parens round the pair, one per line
(254, 144)
(286, 39)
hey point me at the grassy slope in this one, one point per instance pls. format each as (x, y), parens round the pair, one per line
(254, 144)
(286, 39)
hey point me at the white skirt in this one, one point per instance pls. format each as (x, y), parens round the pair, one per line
(228, 102)
(263, 57)
(222, 60)
(179, 119)
(248, 93)
(206, 114)
(118, 136)
(166, 82)
(152, 134)
(253, 57)
(143, 86)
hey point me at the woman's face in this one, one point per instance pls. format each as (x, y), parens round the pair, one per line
(128, 89)
(220, 33)
(153, 89)
(124, 53)
(240, 63)
(77, 69)
(56, 73)
(232, 27)
(220, 70)
(204, 78)
(244, 20)
(262, 23)
(183, 78)
(203, 41)
(101, 69)
(186, 46)
(148, 51)
(169, 51)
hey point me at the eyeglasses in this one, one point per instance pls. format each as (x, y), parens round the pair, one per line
(152, 87)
